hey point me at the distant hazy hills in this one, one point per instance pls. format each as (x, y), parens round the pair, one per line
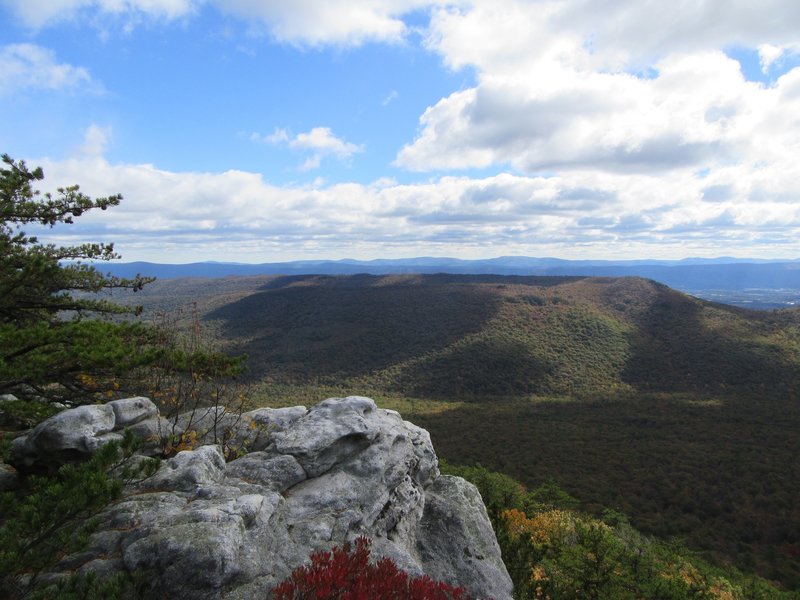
(725, 279)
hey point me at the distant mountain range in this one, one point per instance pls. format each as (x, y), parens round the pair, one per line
(724, 279)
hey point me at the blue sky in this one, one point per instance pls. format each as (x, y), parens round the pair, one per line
(260, 131)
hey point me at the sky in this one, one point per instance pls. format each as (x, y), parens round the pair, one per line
(266, 130)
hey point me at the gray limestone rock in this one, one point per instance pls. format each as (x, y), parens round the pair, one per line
(458, 546)
(246, 432)
(189, 470)
(277, 473)
(130, 411)
(334, 430)
(154, 433)
(259, 425)
(68, 435)
(206, 529)
(76, 433)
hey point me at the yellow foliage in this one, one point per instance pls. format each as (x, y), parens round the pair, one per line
(186, 441)
(87, 380)
(544, 528)
(539, 578)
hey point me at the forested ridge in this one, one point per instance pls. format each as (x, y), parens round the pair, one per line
(681, 413)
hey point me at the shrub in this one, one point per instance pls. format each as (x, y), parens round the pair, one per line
(51, 516)
(194, 385)
(346, 574)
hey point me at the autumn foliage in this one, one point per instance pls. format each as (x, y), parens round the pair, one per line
(347, 574)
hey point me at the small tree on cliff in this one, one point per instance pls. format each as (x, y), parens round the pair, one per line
(48, 347)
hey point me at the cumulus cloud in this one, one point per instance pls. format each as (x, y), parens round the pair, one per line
(276, 137)
(300, 22)
(695, 112)
(623, 86)
(637, 31)
(319, 140)
(31, 67)
(322, 140)
(771, 55)
(171, 216)
(337, 22)
(40, 13)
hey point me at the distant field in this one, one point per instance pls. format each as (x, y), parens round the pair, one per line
(683, 414)
(755, 298)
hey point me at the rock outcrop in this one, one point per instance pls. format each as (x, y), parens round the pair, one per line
(204, 528)
(75, 434)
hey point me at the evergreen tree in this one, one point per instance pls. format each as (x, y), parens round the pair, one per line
(49, 517)
(49, 349)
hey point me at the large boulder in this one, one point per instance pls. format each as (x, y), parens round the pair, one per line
(205, 528)
(77, 433)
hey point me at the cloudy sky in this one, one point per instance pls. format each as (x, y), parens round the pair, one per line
(267, 130)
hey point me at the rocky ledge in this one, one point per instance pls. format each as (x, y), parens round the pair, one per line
(205, 528)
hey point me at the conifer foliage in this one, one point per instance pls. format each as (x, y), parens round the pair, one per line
(48, 348)
(50, 517)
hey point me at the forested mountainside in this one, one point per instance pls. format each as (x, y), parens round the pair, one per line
(457, 336)
(630, 395)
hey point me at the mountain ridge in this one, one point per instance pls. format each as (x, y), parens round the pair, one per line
(501, 265)
(629, 394)
(754, 283)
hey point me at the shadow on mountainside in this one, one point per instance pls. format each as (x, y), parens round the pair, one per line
(459, 336)
(684, 344)
(316, 326)
(479, 367)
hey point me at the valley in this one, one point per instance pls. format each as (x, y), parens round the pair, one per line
(682, 414)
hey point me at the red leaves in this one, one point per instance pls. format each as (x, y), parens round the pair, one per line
(345, 575)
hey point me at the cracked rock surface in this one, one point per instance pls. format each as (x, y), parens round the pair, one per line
(206, 529)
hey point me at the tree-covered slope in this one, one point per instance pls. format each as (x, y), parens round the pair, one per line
(678, 412)
(476, 336)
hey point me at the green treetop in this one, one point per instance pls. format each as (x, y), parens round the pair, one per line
(48, 347)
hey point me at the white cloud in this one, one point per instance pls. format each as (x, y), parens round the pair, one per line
(95, 140)
(276, 137)
(645, 30)
(168, 216)
(323, 141)
(320, 140)
(31, 67)
(40, 13)
(769, 55)
(312, 23)
(311, 163)
(696, 112)
(620, 86)
(337, 22)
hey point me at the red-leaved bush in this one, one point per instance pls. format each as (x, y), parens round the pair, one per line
(345, 575)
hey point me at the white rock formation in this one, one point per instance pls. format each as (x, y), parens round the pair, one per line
(202, 528)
